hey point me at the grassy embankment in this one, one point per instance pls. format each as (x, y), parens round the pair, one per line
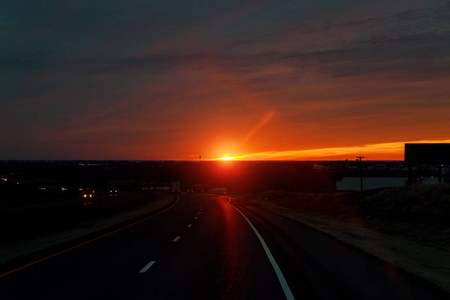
(66, 227)
(25, 225)
(406, 226)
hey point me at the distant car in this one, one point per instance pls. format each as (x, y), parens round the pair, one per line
(88, 195)
(113, 192)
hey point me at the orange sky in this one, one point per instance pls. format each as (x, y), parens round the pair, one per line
(285, 80)
(385, 151)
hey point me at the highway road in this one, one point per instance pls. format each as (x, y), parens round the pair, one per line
(208, 247)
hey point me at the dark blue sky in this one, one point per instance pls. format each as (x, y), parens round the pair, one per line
(178, 79)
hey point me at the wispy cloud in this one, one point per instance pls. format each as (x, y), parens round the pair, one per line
(257, 75)
(255, 129)
(393, 151)
(402, 45)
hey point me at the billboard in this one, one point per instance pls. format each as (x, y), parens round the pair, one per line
(433, 154)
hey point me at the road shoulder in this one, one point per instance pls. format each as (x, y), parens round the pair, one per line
(431, 264)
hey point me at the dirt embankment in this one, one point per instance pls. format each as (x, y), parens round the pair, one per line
(406, 226)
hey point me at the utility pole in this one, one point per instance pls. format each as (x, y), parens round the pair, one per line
(360, 170)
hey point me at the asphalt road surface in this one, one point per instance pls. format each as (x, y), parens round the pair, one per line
(208, 247)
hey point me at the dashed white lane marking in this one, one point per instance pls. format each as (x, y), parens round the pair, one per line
(189, 225)
(199, 212)
(281, 279)
(176, 239)
(87, 242)
(196, 218)
(144, 269)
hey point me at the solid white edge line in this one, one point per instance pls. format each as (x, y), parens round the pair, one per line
(281, 279)
(144, 269)
(176, 239)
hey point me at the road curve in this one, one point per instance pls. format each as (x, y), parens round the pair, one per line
(207, 248)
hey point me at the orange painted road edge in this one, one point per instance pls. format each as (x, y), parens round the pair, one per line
(84, 243)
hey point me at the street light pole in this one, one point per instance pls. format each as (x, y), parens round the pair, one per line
(360, 171)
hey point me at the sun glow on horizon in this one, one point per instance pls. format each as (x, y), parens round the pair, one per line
(227, 158)
(381, 151)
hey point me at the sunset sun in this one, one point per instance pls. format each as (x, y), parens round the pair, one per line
(227, 158)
